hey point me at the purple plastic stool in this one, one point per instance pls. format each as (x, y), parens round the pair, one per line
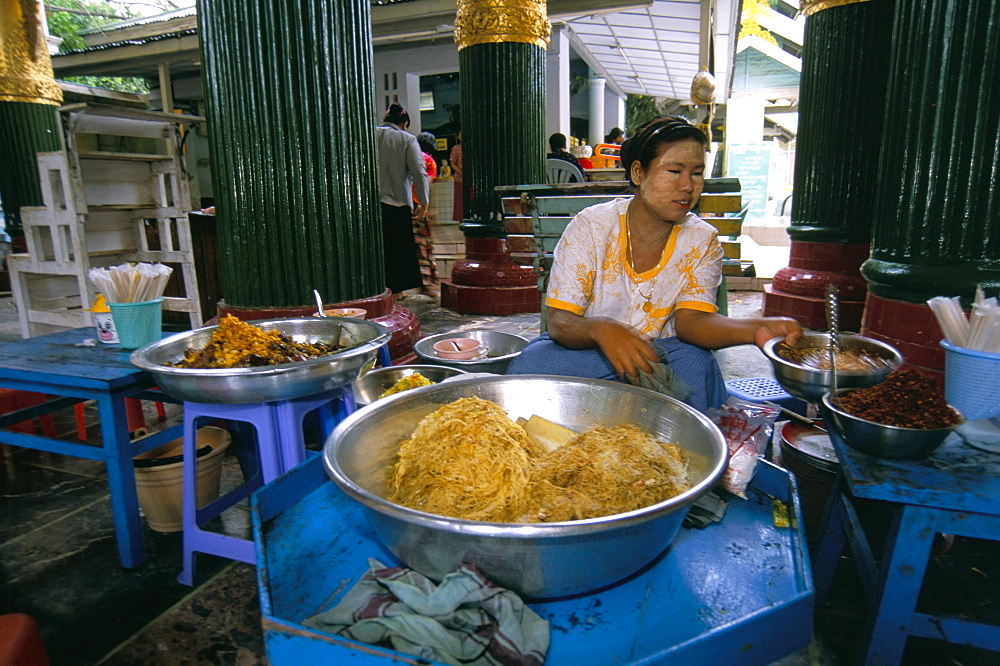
(277, 427)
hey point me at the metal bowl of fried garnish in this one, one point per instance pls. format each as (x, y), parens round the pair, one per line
(262, 361)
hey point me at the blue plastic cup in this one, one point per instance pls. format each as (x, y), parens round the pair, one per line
(138, 324)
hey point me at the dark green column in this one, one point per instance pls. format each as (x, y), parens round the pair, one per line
(841, 97)
(841, 101)
(29, 98)
(501, 57)
(503, 115)
(25, 130)
(937, 214)
(291, 112)
(937, 210)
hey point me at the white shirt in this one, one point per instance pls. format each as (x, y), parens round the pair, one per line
(401, 168)
(591, 276)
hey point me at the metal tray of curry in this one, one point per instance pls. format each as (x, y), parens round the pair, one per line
(344, 348)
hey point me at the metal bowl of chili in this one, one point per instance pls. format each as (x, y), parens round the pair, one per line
(903, 418)
(808, 382)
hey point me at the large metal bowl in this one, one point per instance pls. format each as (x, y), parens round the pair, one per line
(501, 349)
(878, 439)
(810, 384)
(539, 560)
(372, 384)
(272, 382)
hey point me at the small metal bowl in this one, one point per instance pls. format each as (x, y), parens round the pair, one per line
(370, 386)
(267, 383)
(810, 384)
(878, 439)
(501, 350)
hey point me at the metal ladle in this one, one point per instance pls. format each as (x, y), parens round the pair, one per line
(832, 322)
(319, 304)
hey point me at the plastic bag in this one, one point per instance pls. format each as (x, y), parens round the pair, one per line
(747, 427)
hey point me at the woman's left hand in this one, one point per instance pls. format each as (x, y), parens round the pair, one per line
(774, 327)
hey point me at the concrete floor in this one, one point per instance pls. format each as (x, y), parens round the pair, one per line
(58, 560)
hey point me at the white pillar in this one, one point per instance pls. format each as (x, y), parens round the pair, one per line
(597, 129)
(614, 111)
(557, 97)
(411, 101)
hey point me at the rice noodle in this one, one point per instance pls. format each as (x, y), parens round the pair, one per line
(466, 460)
(604, 471)
(469, 460)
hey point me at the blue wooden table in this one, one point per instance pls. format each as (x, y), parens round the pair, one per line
(57, 365)
(954, 491)
(736, 592)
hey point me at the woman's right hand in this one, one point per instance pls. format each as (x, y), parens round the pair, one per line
(628, 352)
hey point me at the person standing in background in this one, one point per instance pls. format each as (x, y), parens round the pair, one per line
(402, 179)
(421, 225)
(455, 159)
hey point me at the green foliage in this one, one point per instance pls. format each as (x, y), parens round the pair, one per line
(86, 14)
(639, 109)
(120, 83)
(66, 18)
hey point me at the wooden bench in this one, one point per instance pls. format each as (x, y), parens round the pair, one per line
(535, 217)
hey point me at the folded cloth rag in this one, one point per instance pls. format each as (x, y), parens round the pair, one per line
(707, 509)
(662, 380)
(465, 620)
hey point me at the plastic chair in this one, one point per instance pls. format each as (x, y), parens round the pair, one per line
(277, 428)
(12, 400)
(561, 171)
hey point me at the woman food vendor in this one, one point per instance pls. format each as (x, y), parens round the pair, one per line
(633, 286)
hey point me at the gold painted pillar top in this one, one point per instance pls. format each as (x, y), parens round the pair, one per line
(810, 7)
(25, 66)
(497, 21)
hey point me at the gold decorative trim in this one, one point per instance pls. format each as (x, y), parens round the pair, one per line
(810, 7)
(25, 66)
(498, 21)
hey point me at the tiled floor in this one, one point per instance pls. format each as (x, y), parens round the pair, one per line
(58, 560)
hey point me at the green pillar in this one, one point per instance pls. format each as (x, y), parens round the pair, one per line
(501, 57)
(29, 97)
(503, 115)
(291, 112)
(937, 214)
(841, 98)
(841, 101)
(937, 209)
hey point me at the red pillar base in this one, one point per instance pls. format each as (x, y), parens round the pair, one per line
(909, 327)
(381, 309)
(488, 282)
(799, 290)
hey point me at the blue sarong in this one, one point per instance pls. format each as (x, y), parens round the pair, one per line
(696, 366)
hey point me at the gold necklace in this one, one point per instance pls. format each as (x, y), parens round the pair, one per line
(648, 305)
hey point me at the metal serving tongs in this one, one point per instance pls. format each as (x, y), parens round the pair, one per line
(833, 323)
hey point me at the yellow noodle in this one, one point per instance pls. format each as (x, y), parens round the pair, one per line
(466, 460)
(469, 460)
(604, 471)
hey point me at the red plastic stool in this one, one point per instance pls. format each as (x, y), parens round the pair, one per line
(12, 400)
(133, 412)
(21, 642)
